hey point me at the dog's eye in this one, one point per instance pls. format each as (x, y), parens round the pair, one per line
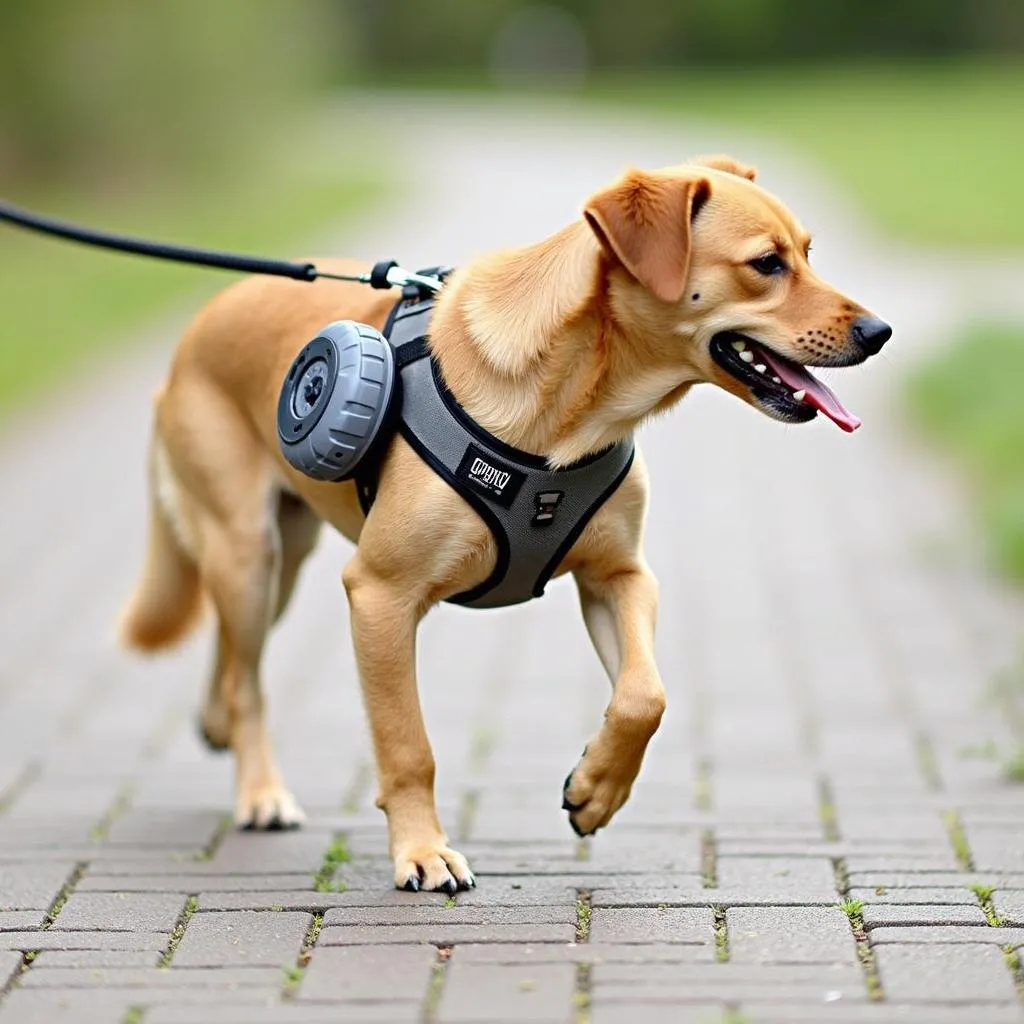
(769, 264)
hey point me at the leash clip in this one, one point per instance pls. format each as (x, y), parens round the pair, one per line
(387, 274)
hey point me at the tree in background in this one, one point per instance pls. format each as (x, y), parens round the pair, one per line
(114, 89)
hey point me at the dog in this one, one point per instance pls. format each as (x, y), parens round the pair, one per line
(670, 278)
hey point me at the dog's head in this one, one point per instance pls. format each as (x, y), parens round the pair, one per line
(714, 271)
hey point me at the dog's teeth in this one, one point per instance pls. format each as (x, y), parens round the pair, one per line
(747, 357)
(798, 396)
(739, 345)
(760, 367)
(775, 380)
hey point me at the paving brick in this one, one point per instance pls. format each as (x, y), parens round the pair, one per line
(884, 915)
(32, 886)
(932, 879)
(939, 897)
(443, 934)
(647, 924)
(10, 961)
(175, 830)
(242, 937)
(192, 883)
(945, 973)
(732, 981)
(584, 953)
(21, 920)
(478, 993)
(37, 1006)
(1009, 904)
(362, 973)
(908, 862)
(120, 912)
(389, 899)
(261, 853)
(93, 958)
(656, 1012)
(811, 876)
(368, 1013)
(443, 915)
(497, 891)
(947, 934)
(698, 896)
(44, 975)
(791, 935)
(56, 939)
(997, 849)
(877, 1013)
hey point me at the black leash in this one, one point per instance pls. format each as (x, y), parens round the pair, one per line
(384, 274)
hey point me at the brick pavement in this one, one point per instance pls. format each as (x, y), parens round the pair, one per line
(830, 652)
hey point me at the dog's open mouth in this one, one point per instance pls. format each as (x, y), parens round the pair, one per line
(783, 388)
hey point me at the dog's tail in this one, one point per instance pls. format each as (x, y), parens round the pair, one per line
(168, 599)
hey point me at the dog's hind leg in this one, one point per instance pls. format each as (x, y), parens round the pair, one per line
(229, 496)
(240, 565)
(620, 609)
(300, 530)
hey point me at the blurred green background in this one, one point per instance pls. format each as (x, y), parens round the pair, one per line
(200, 122)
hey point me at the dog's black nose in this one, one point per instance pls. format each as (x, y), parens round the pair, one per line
(870, 333)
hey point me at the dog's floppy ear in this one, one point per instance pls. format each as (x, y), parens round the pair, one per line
(723, 162)
(643, 220)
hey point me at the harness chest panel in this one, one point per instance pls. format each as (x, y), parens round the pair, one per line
(535, 513)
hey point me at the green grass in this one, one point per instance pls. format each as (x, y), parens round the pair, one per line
(336, 854)
(969, 400)
(904, 140)
(853, 909)
(61, 303)
(930, 151)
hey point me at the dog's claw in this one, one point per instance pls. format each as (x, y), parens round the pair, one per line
(567, 804)
(412, 884)
(214, 743)
(467, 883)
(449, 885)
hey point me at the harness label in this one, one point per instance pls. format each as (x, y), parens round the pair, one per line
(492, 479)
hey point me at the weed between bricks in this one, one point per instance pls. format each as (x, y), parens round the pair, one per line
(854, 911)
(708, 859)
(984, 894)
(62, 897)
(581, 988)
(958, 838)
(178, 933)
(294, 973)
(435, 987)
(1013, 962)
(336, 854)
(14, 980)
(721, 934)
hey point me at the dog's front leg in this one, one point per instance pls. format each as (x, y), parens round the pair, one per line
(620, 609)
(384, 620)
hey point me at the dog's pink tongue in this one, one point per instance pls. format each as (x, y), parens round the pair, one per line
(818, 394)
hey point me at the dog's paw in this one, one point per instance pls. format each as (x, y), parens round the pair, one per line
(592, 795)
(431, 867)
(215, 728)
(267, 808)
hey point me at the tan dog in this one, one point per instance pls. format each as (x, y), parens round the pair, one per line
(673, 277)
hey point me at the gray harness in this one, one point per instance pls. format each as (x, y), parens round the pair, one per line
(535, 513)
